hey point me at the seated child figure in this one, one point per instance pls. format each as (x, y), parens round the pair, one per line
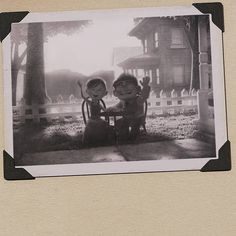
(132, 99)
(96, 130)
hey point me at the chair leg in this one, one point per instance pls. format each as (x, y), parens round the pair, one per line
(144, 128)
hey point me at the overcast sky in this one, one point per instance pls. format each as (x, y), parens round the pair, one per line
(89, 50)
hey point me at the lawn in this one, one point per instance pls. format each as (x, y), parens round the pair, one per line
(68, 135)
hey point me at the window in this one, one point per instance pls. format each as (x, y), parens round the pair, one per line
(145, 45)
(149, 74)
(158, 75)
(130, 71)
(178, 74)
(156, 40)
(177, 38)
(140, 73)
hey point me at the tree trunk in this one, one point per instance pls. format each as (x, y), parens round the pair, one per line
(192, 35)
(35, 92)
(196, 81)
(14, 72)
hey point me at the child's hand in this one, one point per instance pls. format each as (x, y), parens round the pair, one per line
(79, 83)
(112, 109)
(145, 81)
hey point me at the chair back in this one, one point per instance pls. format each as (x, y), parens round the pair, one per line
(144, 116)
(86, 111)
(145, 108)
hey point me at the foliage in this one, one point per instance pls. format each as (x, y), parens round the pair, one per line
(19, 31)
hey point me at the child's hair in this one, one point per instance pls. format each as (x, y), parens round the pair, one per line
(125, 77)
(92, 83)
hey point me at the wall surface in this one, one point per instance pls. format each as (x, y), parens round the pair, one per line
(180, 203)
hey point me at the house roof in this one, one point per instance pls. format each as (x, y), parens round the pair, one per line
(149, 24)
(122, 53)
(141, 61)
(137, 30)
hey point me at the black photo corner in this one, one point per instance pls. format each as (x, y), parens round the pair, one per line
(223, 163)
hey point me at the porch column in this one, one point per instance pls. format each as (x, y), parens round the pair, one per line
(203, 74)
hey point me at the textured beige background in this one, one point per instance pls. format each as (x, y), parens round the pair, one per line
(183, 203)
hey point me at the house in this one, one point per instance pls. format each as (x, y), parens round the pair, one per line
(122, 53)
(166, 56)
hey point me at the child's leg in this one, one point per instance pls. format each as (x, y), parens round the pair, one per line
(96, 132)
(135, 127)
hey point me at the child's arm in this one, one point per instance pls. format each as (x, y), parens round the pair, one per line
(145, 92)
(82, 94)
(102, 108)
(118, 107)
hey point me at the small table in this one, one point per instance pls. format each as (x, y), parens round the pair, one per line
(114, 114)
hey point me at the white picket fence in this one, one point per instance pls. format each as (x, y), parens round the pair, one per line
(50, 112)
(161, 104)
(173, 103)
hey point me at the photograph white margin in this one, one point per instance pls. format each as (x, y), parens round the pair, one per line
(133, 166)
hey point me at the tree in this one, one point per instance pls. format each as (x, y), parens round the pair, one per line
(191, 29)
(34, 35)
(35, 82)
(18, 37)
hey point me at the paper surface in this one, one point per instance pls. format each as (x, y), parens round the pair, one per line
(186, 203)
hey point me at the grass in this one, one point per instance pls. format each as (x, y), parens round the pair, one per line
(68, 135)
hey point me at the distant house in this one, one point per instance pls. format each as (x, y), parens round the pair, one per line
(122, 53)
(166, 56)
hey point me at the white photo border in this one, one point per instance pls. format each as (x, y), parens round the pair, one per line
(133, 166)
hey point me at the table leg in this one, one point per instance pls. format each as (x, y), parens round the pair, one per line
(116, 138)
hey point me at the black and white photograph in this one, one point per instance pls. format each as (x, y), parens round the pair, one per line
(114, 92)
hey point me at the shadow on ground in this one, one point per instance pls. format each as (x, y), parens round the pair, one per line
(67, 136)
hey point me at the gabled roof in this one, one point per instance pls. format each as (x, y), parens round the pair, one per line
(149, 24)
(139, 27)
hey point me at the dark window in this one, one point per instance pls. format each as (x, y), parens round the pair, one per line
(177, 38)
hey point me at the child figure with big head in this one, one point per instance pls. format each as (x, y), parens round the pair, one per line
(96, 130)
(132, 98)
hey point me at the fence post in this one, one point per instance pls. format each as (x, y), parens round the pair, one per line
(174, 96)
(184, 94)
(152, 99)
(163, 101)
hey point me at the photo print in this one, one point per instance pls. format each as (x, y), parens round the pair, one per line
(114, 91)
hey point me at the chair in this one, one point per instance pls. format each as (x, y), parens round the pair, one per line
(143, 124)
(86, 111)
